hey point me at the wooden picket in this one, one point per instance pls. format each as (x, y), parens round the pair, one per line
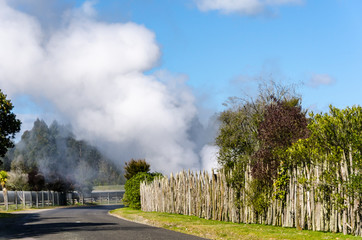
(209, 196)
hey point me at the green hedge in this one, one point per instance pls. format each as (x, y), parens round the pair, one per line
(132, 196)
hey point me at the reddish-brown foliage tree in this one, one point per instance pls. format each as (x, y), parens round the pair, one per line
(284, 123)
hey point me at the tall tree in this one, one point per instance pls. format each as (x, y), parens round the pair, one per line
(238, 137)
(284, 123)
(9, 125)
(135, 166)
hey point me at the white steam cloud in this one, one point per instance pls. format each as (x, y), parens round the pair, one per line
(244, 7)
(92, 72)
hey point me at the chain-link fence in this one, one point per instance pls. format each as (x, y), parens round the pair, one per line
(96, 197)
(28, 199)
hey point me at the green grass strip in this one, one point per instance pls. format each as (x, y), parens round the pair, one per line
(222, 230)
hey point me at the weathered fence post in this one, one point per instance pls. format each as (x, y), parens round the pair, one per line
(6, 199)
(210, 197)
(31, 199)
(16, 200)
(37, 199)
(42, 198)
(48, 193)
(24, 199)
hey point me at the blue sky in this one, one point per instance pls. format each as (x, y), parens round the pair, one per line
(293, 42)
(134, 75)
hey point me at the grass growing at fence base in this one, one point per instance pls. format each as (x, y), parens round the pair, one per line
(222, 230)
(12, 208)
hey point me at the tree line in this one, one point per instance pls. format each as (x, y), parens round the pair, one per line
(279, 165)
(280, 144)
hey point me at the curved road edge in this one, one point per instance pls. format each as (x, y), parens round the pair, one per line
(152, 224)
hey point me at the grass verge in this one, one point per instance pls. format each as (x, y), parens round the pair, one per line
(8, 213)
(222, 230)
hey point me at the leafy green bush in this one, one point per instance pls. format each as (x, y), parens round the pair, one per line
(132, 196)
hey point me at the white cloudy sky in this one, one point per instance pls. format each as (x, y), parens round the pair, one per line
(136, 76)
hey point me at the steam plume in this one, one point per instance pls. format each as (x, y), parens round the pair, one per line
(93, 73)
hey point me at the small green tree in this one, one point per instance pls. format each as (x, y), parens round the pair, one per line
(3, 180)
(9, 125)
(132, 197)
(135, 166)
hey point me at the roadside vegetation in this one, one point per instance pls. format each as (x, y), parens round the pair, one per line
(279, 166)
(222, 230)
(136, 171)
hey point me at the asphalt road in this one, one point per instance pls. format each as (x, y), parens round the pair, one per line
(80, 223)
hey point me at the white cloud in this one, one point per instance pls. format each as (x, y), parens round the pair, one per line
(209, 154)
(244, 7)
(317, 80)
(93, 73)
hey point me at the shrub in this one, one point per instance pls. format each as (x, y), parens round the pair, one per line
(132, 196)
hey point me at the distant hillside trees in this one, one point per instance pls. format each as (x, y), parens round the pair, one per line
(53, 159)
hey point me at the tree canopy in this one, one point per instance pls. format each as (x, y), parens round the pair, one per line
(3, 178)
(9, 125)
(133, 167)
(274, 152)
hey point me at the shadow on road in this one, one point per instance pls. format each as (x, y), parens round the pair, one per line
(32, 225)
(89, 222)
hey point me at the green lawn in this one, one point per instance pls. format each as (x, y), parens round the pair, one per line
(222, 230)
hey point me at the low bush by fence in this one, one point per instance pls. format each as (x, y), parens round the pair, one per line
(210, 197)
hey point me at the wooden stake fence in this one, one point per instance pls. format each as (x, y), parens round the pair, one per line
(209, 196)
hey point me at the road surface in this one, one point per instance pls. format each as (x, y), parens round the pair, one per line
(80, 223)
